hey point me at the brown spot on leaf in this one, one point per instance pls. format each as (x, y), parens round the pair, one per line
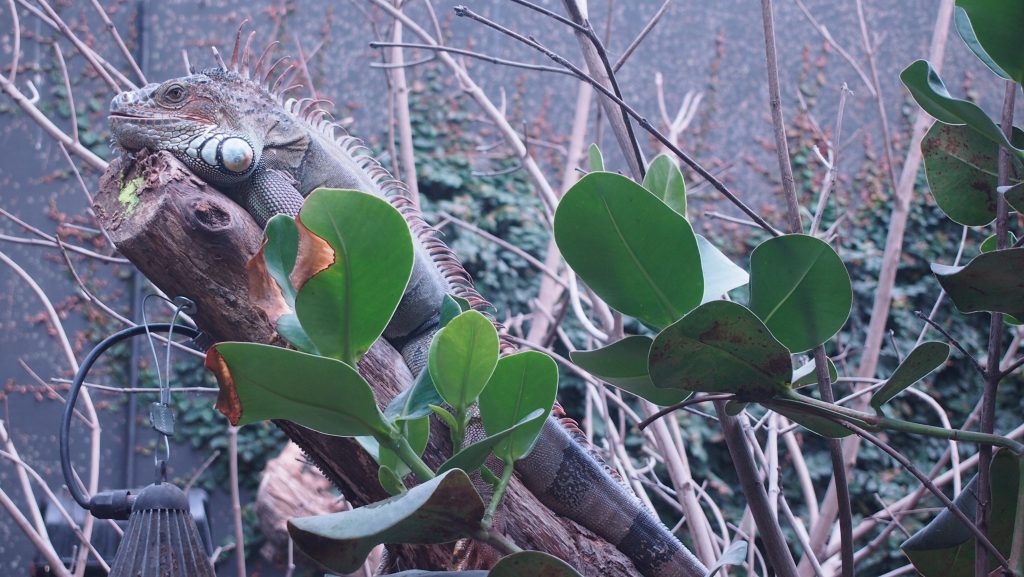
(314, 256)
(228, 402)
(263, 290)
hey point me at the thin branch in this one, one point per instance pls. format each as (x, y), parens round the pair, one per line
(821, 29)
(952, 341)
(641, 36)
(681, 405)
(473, 54)
(16, 44)
(833, 163)
(120, 43)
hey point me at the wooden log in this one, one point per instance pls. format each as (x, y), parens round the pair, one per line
(189, 239)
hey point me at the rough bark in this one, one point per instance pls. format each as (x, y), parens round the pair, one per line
(189, 239)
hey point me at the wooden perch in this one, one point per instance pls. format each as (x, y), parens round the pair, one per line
(189, 239)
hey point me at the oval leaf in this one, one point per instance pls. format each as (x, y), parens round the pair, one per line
(665, 181)
(345, 307)
(921, 361)
(634, 251)
(817, 424)
(721, 275)
(930, 92)
(801, 290)
(472, 457)
(997, 26)
(521, 384)
(961, 168)
(279, 252)
(441, 510)
(966, 30)
(462, 357)
(260, 382)
(532, 564)
(720, 347)
(990, 282)
(595, 158)
(624, 365)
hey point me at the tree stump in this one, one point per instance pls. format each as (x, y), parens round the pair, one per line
(189, 239)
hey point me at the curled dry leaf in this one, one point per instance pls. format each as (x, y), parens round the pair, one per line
(228, 402)
(263, 291)
(314, 256)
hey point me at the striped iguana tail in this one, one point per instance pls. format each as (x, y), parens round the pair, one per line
(232, 127)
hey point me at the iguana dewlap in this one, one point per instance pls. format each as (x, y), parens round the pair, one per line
(233, 129)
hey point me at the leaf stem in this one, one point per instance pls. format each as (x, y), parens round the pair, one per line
(400, 445)
(795, 401)
(499, 492)
(496, 540)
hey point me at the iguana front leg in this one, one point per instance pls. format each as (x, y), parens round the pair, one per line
(269, 192)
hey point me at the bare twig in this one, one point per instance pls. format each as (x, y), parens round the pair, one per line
(473, 54)
(120, 43)
(641, 36)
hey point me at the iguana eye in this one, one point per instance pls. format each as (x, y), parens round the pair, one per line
(174, 94)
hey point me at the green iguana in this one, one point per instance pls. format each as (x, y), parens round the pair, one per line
(232, 127)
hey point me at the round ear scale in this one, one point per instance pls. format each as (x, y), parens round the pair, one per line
(236, 155)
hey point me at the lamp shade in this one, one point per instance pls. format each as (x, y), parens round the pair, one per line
(161, 539)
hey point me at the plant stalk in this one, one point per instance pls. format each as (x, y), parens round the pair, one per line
(499, 492)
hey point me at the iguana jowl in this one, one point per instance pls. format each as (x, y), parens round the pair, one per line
(232, 128)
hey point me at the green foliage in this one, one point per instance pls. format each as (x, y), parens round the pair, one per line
(800, 289)
(961, 168)
(665, 181)
(522, 384)
(996, 26)
(624, 364)
(441, 510)
(632, 249)
(472, 457)
(921, 361)
(462, 357)
(990, 282)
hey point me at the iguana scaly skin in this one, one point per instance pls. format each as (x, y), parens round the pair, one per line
(232, 128)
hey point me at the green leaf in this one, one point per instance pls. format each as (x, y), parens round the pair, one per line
(798, 412)
(997, 25)
(345, 307)
(922, 360)
(462, 357)
(521, 384)
(720, 347)
(532, 564)
(260, 382)
(390, 480)
(451, 307)
(595, 158)
(634, 251)
(961, 167)
(290, 330)
(733, 408)
(472, 457)
(417, 432)
(447, 418)
(930, 93)
(991, 243)
(966, 31)
(801, 290)
(1015, 196)
(665, 181)
(441, 510)
(990, 282)
(624, 365)
(721, 275)
(736, 554)
(945, 547)
(279, 252)
(808, 374)
(414, 402)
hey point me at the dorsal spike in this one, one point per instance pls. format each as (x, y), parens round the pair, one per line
(259, 61)
(303, 106)
(234, 49)
(273, 67)
(280, 79)
(188, 65)
(246, 55)
(218, 58)
(288, 89)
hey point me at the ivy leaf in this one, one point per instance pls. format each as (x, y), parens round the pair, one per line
(720, 347)
(665, 181)
(624, 365)
(462, 357)
(991, 282)
(353, 285)
(997, 26)
(472, 457)
(443, 509)
(930, 92)
(634, 251)
(922, 360)
(521, 383)
(801, 290)
(260, 382)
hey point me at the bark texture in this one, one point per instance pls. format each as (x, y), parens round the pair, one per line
(191, 240)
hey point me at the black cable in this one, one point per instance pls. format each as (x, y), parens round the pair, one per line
(76, 386)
